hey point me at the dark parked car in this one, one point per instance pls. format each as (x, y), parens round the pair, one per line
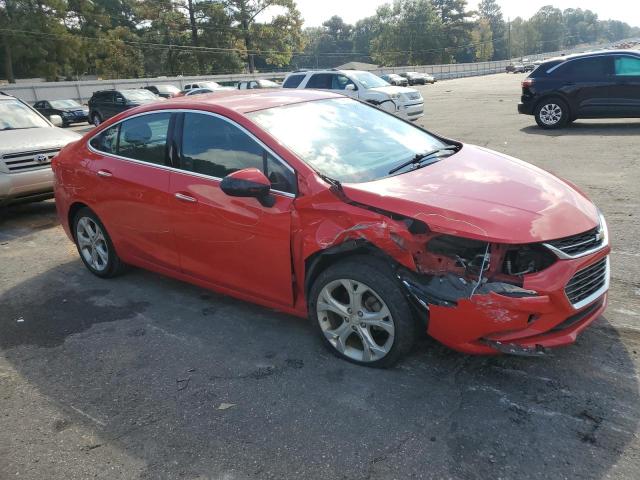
(515, 68)
(105, 104)
(69, 110)
(589, 85)
(164, 91)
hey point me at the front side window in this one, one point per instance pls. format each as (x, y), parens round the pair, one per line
(107, 141)
(345, 139)
(214, 147)
(15, 115)
(145, 138)
(340, 82)
(627, 66)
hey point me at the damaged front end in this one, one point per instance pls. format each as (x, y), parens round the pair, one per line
(470, 291)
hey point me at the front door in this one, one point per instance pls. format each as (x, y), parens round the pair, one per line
(625, 91)
(130, 188)
(233, 242)
(586, 84)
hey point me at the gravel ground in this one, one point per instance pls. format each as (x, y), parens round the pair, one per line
(146, 377)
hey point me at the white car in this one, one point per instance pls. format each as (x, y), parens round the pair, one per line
(28, 142)
(404, 102)
(208, 85)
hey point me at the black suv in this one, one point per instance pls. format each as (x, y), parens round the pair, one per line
(590, 85)
(107, 103)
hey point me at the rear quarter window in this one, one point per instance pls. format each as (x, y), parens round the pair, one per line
(293, 81)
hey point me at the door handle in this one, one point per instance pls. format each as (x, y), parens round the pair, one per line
(104, 173)
(184, 198)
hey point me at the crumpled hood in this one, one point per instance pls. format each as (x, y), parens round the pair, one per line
(32, 139)
(478, 193)
(391, 89)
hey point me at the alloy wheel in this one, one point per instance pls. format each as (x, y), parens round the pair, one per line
(550, 114)
(355, 320)
(92, 244)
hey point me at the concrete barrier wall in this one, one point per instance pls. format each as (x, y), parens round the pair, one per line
(82, 90)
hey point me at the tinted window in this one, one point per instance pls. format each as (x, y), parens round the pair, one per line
(627, 66)
(107, 141)
(103, 96)
(320, 80)
(586, 68)
(214, 147)
(293, 81)
(145, 138)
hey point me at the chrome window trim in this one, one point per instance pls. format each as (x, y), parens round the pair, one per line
(187, 172)
(598, 293)
(595, 55)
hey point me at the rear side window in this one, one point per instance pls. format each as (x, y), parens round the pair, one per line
(145, 138)
(107, 141)
(320, 80)
(293, 81)
(627, 66)
(214, 147)
(593, 68)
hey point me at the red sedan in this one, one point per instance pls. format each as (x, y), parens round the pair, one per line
(323, 206)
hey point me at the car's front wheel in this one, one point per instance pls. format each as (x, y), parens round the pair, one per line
(95, 246)
(552, 113)
(361, 313)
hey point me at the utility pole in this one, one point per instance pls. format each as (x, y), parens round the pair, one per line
(509, 38)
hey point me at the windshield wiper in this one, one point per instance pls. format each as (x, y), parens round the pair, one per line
(331, 181)
(15, 128)
(420, 157)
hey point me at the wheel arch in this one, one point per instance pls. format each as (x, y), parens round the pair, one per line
(74, 208)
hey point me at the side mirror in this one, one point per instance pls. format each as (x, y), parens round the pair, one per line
(56, 120)
(351, 87)
(249, 182)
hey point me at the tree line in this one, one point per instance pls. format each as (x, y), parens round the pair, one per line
(69, 39)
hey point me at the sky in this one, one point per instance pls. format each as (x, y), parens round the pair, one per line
(315, 12)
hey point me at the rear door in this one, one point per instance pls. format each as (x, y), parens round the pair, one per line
(625, 91)
(586, 82)
(233, 242)
(131, 188)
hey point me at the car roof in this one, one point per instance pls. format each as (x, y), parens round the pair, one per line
(594, 54)
(245, 101)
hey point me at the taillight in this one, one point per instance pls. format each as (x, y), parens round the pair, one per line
(527, 82)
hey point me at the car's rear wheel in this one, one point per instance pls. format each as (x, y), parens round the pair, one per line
(95, 246)
(552, 113)
(96, 119)
(361, 313)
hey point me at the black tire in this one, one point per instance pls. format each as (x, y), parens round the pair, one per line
(96, 119)
(550, 108)
(113, 266)
(377, 275)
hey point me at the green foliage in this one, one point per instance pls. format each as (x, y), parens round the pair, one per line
(66, 39)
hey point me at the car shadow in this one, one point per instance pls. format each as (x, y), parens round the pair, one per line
(582, 127)
(25, 219)
(199, 385)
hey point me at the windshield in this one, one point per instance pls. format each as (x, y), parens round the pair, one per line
(138, 95)
(16, 115)
(369, 80)
(344, 139)
(267, 83)
(167, 89)
(65, 104)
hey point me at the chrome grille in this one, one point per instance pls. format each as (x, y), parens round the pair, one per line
(588, 284)
(17, 162)
(577, 245)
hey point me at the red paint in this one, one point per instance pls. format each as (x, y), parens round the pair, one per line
(237, 246)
